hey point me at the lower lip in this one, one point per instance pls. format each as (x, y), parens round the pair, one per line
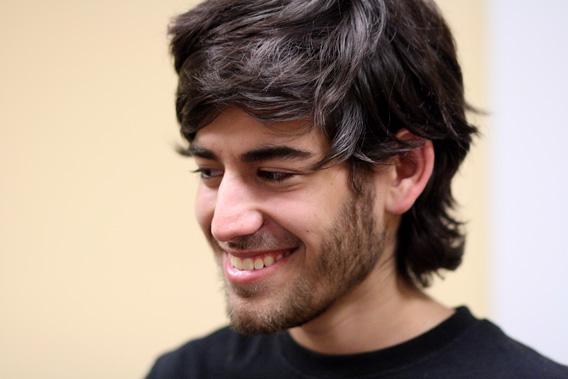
(249, 277)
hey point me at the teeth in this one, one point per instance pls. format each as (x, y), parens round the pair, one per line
(258, 263)
(236, 262)
(248, 264)
(268, 260)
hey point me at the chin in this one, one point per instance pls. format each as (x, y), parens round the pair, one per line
(250, 315)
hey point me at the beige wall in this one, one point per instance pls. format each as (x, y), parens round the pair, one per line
(101, 263)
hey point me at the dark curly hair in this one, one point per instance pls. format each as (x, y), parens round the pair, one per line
(361, 70)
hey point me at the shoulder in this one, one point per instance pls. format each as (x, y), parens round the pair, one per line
(208, 357)
(487, 350)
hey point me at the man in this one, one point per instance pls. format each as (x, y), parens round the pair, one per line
(326, 135)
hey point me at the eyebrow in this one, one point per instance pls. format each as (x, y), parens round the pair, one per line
(256, 155)
(274, 152)
(195, 150)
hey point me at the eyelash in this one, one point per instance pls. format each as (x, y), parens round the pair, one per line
(274, 176)
(270, 176)
(205, 173)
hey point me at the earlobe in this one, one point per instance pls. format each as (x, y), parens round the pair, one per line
(411, 172)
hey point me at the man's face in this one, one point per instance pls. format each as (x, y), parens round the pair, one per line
(289, 240)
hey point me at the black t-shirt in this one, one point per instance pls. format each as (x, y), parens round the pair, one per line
(460, 347)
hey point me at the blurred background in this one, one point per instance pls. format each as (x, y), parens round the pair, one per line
(102, 266)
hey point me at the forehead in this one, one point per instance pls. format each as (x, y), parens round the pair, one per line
(236, 130)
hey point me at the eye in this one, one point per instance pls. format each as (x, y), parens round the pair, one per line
(274, 176)
(208, 173)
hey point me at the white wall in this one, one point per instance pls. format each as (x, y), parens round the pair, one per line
(529, 178)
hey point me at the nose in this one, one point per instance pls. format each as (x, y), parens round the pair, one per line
(236, 213)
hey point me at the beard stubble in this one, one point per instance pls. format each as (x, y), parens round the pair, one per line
(350, 251)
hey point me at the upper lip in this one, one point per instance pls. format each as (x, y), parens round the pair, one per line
(254, 253)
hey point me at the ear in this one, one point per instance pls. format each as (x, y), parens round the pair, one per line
(410, 174)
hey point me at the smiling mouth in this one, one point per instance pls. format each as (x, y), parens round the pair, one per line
(258, 262)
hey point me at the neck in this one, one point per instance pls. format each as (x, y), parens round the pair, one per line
(380, 312)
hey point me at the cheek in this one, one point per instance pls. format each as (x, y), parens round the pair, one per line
(307, 219)
(312, 214)
(204, 207)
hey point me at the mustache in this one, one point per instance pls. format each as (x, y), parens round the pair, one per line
(262, 240)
